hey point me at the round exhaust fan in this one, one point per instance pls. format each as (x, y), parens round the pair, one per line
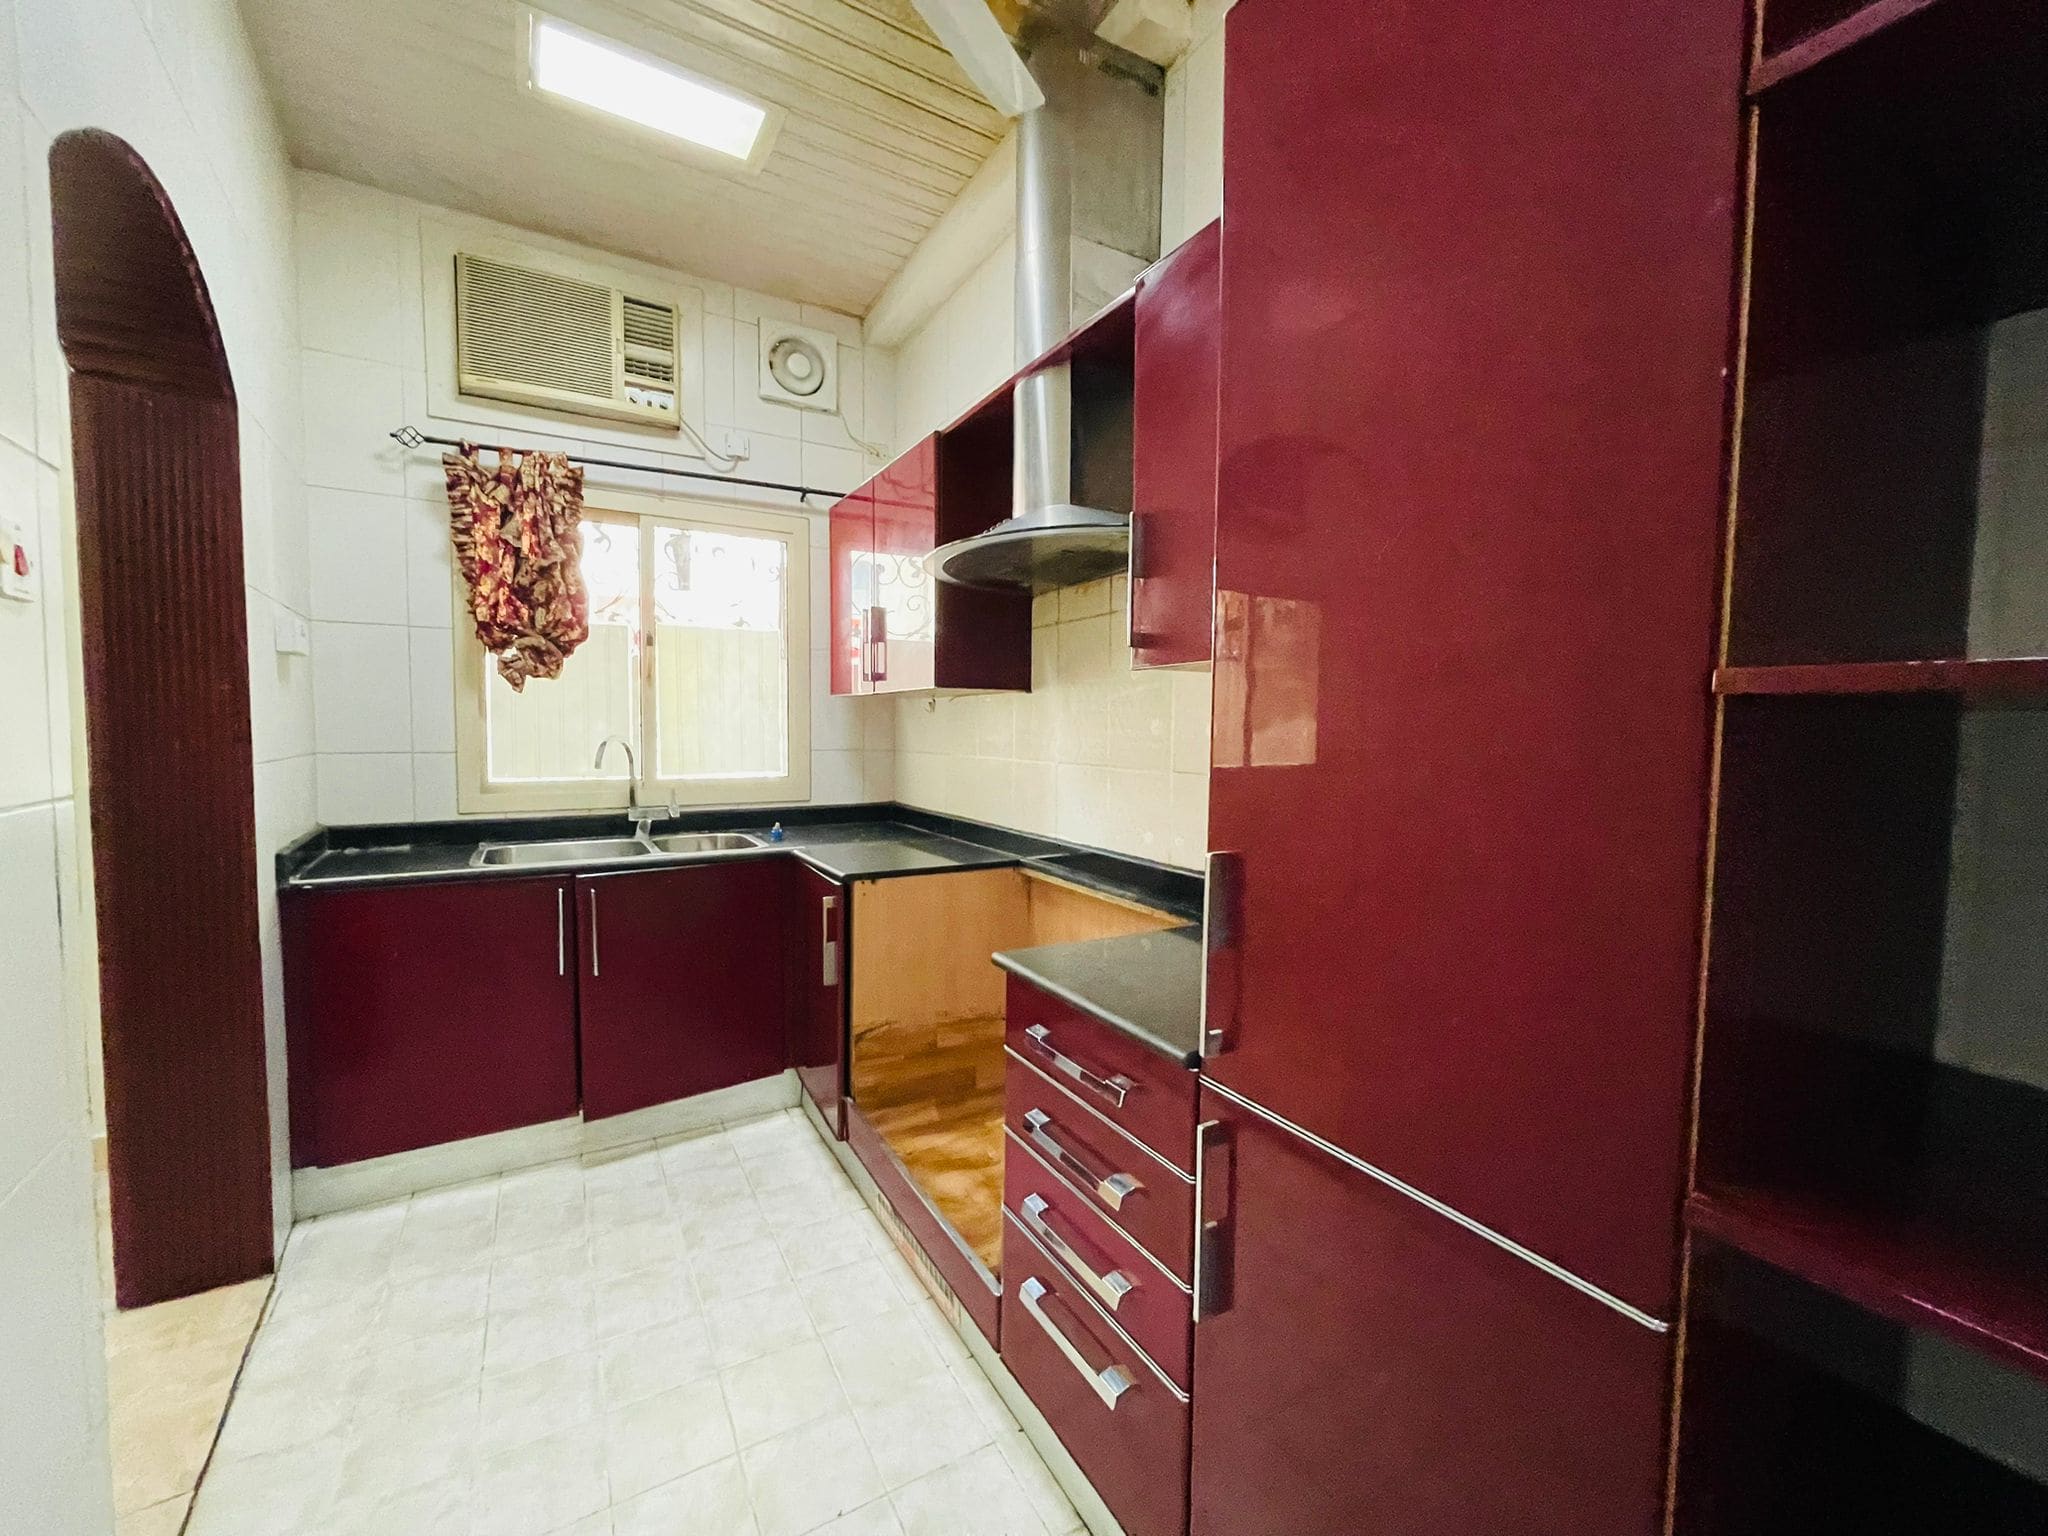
(799, 366)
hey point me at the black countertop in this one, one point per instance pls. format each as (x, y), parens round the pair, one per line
(1149, 985)
(865, 842)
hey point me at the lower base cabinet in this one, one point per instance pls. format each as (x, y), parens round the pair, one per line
(423, 1014)
(1124, 1423)
(1367, 1367)
(684, 981)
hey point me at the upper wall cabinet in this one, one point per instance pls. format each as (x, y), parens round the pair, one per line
(895, 629)
(1176, 363)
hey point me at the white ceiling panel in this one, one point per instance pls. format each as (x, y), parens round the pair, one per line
(428, 98)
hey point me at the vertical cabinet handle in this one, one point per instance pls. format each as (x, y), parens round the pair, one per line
(1109, 1289)
(827, 945)
(561, 931)
(595, 968)
(1113, 1089)
(1222, 938)
(878, 644)
(1109, 1383)
(1111, 1189)
(1213, 1174)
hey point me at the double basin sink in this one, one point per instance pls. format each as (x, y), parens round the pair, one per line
(612, 850)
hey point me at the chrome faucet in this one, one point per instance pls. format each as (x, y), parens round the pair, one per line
(643, 816)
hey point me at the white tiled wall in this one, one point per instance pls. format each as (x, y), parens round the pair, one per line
(383, 639)
(176, 80)
(1096, 754)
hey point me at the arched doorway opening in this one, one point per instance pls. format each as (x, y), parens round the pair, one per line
(164, 623)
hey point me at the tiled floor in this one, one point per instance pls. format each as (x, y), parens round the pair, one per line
(711, 1337)
(169, 1371)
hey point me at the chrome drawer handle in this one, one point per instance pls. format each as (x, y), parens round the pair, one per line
(1109, 1383)
(1113, 1190)
(1115, 1089)
(1109, 1289)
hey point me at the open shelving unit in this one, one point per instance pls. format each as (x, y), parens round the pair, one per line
(1870, 1183)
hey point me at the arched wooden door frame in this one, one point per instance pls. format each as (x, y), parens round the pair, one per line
(164, 621)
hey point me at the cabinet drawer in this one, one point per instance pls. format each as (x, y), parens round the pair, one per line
(1118, 1417)
(1093, 1255)
(1131, 1186)
(1150, 1095)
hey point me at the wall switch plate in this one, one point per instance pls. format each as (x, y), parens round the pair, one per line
(294, 637)
(17, 564)
(732, 444)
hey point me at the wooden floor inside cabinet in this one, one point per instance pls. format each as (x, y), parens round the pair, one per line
(927, 1019)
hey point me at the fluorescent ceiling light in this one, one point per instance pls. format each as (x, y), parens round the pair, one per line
(598, 74)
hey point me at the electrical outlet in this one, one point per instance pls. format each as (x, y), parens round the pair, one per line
(17, 564)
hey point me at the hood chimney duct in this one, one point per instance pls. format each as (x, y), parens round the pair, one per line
(1089, 157)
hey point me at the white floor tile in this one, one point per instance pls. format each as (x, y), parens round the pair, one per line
(978, 1496)
(539, 1488)
(655, 1360)
(777, 1392)
(657, 1438)
(810, 1475)
(712, 1501)
(921, 1428)
(710, 1336)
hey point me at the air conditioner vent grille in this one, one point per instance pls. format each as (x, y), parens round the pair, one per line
(522, 326)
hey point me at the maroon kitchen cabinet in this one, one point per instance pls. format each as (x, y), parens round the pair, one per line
(684, 976)
(817, 992)
(895, 628)
(422, 1014)
(1366, 1367)
(1177, 355)
(1476, 283)
(904, 630)
(851, 530)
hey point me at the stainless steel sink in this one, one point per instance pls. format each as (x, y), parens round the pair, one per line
(593, 850)
(609, 850)
(705, 842)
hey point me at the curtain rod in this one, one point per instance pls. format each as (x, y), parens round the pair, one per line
(412, 437)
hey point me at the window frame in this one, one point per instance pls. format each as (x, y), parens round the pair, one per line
(476, 794)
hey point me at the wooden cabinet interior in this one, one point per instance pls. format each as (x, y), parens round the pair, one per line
(927, 1017)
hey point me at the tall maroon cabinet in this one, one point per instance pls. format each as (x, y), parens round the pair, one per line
(1176, 362)
(1425, 1382)
(423, 1014)
(683, 981)
(1476, 275)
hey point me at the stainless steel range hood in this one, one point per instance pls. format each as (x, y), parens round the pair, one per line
(1105, 107)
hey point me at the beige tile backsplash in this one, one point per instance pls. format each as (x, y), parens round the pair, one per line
(1096, 753)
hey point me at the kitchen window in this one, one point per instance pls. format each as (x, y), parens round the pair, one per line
(697, 659)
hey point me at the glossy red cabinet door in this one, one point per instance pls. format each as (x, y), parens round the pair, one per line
(906, 617)
(817, 991)
(422, 1014)
(1367, 1367)
(683, 981)
(1175, 383)
(1476, 286)
(852, 555)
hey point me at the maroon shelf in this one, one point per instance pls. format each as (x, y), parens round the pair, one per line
(1900, 1265)
(1782, 63)
(1969, 679)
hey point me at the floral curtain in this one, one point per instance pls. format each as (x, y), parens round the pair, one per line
(519, 551)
